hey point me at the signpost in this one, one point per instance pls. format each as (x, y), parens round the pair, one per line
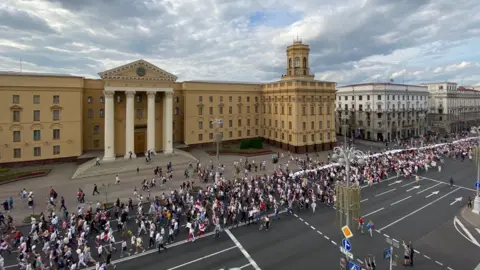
(388, 253)
(347, 232)
(353, 266)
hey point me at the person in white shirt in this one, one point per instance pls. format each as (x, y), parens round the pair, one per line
(160, 244)
(117, 180)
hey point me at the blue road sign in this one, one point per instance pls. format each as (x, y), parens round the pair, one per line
(387, 253)
(346, 244)
(477, 184)
(353, 266)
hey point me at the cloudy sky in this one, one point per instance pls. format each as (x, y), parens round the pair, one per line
(351, 41)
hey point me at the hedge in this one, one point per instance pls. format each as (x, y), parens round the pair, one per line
(255, 143)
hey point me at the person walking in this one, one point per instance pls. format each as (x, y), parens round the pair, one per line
(160, 242)
(95, 190)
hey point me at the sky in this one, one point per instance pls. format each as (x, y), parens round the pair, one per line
(351, 41)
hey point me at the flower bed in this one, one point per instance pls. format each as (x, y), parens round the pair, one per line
(15, 176)
(242, 152)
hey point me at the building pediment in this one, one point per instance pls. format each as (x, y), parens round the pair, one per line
(139, 70)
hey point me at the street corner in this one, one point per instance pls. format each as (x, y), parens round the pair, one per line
(467, 224)
(470, 217)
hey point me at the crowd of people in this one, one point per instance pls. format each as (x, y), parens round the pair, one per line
(298, 183)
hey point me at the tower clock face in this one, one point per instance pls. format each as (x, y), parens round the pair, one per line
(141, 71)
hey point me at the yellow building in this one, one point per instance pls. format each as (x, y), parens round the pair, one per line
(139, 106)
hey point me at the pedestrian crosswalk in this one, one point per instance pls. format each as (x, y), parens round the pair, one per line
(472, 234)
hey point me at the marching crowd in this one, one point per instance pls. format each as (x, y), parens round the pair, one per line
(297, 183)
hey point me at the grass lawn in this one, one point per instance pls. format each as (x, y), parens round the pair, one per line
(10, 176)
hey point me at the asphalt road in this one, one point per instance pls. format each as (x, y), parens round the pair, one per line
(400, 210)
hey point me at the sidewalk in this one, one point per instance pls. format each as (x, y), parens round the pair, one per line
(470, 217)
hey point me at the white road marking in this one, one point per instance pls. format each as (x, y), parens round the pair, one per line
(364, 200)
(401, 200)
(386, 235)
(245, 253)
(478, 230)
(202, 258)
(301, 219)
(306, 223)
(333, 242)
(388, 179)
(439, 263)
(371, 213)
(419, 209)
(360, 261)
(394, 183)
(320, 232)
(411, 183)
(243, 266)
(467, 234)
(313, 228)
(326, 237)
(427, 257)
(441, 182)
(476, 268)
(385, 192)
(421, 191)
(416, 251)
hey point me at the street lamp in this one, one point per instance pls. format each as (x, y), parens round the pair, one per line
(422, 131)
(218, 136)
(345, 126)
(476, 202)
(344, 155)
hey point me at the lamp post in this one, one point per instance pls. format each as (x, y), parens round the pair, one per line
(345, 126)
(344, 155)
(218, 136)
(476, 202)
(422, 131)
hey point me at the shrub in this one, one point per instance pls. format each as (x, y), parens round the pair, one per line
(255, 143)
(4, 170)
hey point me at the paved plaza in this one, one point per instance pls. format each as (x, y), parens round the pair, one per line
(430, 213)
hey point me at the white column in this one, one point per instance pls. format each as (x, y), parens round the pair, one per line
(151, 122)
(130, 126)
(168, 122)
(109, 132)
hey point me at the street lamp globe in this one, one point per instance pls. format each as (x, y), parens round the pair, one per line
(334, 157)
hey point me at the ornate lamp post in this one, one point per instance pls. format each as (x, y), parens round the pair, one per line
(218, 136)
(476, 202)
(344, 155)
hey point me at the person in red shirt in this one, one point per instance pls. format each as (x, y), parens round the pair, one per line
(360, 224)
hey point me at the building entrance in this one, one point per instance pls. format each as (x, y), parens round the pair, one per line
(140, 146)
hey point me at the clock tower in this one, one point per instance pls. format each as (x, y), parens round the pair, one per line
(298, 64)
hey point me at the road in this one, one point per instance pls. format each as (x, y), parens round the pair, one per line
(401, 209)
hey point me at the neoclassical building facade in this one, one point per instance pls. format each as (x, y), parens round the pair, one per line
(138, 107)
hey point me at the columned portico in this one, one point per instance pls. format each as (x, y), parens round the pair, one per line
(130, 93)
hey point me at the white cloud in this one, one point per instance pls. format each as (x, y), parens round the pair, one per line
(351, 41)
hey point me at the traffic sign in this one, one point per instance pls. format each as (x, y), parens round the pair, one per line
(387, 253)
(477, 184)
(353, 266)
(347, 253)
(347, 232)
(346, 244)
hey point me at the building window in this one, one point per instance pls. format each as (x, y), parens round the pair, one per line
(239, 109)
(289, 125)
(17, 153)
(210, 110)
(248, 99)
(320, 125)
(230, 110)
(200, 99)
(36, 99)
(220, 110)
(248, 109)
(37, 135)
(96, 143)
(139, 113)
(16, 116)
(256, 132)
(177, 99)
(89, 100)
(200, 137)
(297, 62)
(102, 113)
(16, 136)
(102, 99)
(56, 99)
(210, 136)
(289, 110)
(230, 134)
(56, 134)
(90, 113)
(139, 98)
(119, 99)
(313, 137)
(210, 99)
(239, 99)
(177, 111)
(248, 132)
(304, 125)
(200, 125)
(312, 125)
(96, 129)
(16, 99)
(36, 115)
(239, 122)
(56, 149)
(239, 133)
(230, 99)
(210, 124)
(200, 110)
(230, 123)
(248, 122)
(56, 115)
(37, 151)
